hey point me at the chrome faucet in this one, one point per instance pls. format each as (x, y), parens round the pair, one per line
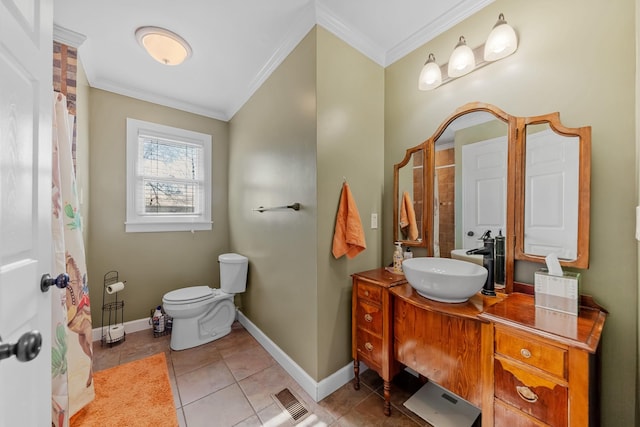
(488, 260)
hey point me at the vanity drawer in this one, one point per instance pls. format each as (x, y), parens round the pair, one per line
(534, 395)
(369, 317)
(508, 416)
(532, 352)
(370, 348)
(370, 291)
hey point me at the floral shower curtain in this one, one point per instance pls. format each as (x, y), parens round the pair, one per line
(71, 356)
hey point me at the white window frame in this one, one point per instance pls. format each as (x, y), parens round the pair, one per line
(144, 222)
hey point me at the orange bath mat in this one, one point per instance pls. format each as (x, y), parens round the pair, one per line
(134, 394)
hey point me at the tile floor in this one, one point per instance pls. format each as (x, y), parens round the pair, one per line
(230, 382)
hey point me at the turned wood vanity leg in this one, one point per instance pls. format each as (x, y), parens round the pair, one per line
(356, 375)
(387, 398)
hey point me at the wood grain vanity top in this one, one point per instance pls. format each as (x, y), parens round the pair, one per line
(469, 309)
(381, 277)
(519, 311)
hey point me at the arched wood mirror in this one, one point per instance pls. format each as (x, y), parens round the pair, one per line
(408, 196)
(525, 178)
(554, 187)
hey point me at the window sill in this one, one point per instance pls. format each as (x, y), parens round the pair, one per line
(158, 227)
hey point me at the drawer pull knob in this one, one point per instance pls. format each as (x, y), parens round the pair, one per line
(525, 353)
(368, 317)
(526, 394)
(368, 346)
(366, 293)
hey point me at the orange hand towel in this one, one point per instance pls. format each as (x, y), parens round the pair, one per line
(348, 237)
(408, 217)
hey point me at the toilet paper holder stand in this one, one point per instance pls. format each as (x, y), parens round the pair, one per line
(112, 328)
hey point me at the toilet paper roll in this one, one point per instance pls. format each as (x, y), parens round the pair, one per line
(115, 287)
(116, 332)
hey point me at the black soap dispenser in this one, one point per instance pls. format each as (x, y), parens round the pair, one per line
(500, 265)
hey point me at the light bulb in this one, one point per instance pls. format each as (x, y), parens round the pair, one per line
(502, 41)
(430, 76)
(462, 60)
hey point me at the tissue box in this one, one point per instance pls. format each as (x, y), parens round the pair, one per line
(560, 293)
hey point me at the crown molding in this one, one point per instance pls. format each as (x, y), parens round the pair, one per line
(114, 87)
(68, 37)
(357, 40)
(453, 16)
(303, 23)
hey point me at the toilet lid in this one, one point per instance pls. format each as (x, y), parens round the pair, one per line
(190, 294)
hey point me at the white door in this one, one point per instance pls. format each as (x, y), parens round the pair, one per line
(484, 190)
(25, 205)
(551, 195)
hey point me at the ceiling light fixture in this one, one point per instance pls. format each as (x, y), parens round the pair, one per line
(163, 45)
(502, 42)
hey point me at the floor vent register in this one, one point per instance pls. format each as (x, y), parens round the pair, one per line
(291, 405)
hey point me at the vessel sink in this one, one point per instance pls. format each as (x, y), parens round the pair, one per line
(444, 279)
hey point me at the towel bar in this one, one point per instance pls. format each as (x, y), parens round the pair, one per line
(295, 207)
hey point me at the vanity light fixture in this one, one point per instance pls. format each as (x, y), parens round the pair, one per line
(462, 60)
(431, 75)
(163, 45)
(502, 42)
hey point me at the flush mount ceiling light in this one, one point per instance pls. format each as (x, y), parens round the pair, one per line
(430, 76)
(462, 60)
(502, 42)
(163, 45)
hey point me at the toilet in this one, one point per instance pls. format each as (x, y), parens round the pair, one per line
(202, 314)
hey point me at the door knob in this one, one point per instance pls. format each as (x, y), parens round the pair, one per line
(26, 349)
(470, 233)
(60, 282)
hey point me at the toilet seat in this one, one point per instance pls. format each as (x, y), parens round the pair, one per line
(190, 295)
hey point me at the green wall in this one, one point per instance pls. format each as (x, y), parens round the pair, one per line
(150, 263)
(273, 163)
(317, 119)
(565, 62)
(350, 144)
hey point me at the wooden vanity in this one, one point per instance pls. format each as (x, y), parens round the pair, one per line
(522, 365)
(371, 326)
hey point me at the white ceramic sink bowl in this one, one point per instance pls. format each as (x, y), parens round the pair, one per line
(444, 279)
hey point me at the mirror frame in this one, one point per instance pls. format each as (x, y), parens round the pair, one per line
(510, 121)
(396, 197)
(584, 186)
(516, 153)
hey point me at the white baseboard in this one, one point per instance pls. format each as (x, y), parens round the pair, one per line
(129, 327)
(317, 390)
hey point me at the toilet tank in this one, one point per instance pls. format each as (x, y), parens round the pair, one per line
(233, 273)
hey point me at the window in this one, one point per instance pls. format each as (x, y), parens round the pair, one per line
(168, 178)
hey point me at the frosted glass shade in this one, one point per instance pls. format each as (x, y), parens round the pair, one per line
(502, 41)
(462, 60)
(430, 76)
(163, 45)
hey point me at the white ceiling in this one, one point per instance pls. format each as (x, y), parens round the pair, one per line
(236, 43)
